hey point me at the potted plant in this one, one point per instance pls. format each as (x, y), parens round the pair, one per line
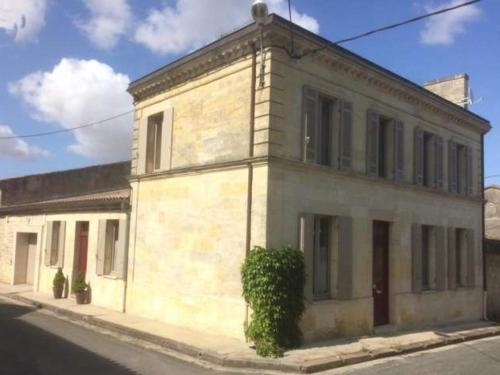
(80, 289)
(58, 284)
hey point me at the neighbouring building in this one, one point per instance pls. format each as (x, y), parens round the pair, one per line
(377, 179)
(492, 250)
(77, 220)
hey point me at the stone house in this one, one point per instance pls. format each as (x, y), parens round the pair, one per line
(77, 220)
(492, 250)
(377, 179)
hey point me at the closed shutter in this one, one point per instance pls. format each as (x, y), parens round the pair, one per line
(121, 255)
(310, 119)
(306, 245)
(399, 150)
(48, 242)
(345, 259)
(61, 242)
(166, 139)
(418, 152)
(452, 259)
(372, 134)
(345, 154)
(470, 171)
(452, 167)
(101, 247)
(439, 162)
(416, 249)
(471, 259)
(440, 259)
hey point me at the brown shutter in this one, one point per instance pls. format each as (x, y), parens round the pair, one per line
(418, 154)
(345, 154)
(440, 259)
(439, 162)
(121, 255)
(372, 133)
(310, 119)
(452, 259)
(306, 245)
(452, 167)
(399, 151)
(101, 251)
(61, 243)
(48, 242)
(345, 260)
(471, 259)
(416, 249)
(470, 171)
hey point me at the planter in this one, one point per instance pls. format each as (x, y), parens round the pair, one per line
(81, 297)
(58, 291)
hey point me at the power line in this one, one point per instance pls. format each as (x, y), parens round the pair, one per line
(492, 176)
(68, 129)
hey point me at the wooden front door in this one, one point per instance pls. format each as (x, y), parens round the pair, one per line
(380, 273)
(82, 238)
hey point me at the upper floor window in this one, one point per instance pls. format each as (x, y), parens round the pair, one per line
(154, 140)
(460, 173)
(428, 159)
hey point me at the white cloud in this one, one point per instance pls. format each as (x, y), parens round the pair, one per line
(17, 148)
(445, 28)
(77, 92)
(22, 18)
(109, 20)
(192, 23)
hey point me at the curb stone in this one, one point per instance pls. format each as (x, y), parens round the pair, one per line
(307, 367)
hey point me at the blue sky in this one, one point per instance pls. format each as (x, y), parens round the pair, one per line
(64, 64)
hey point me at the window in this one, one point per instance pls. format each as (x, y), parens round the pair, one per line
(460, 171)
(428, 154)
(54, 248)
(427, 250)
(325, 132)
(321, 257)
(153, 147)
(110, 246)
(460, 257)
(429, 160)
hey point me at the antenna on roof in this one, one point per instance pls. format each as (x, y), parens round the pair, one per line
(469, 99)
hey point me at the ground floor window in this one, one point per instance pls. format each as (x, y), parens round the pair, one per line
(110, 246)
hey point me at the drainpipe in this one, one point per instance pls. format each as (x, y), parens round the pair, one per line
(483, 233)
(126, 208)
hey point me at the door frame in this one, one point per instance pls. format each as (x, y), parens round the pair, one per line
(28, 229)
(389, 301)
(76, 248)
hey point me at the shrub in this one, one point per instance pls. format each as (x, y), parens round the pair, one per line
(79, 284)
(59, 279)
(273, 285)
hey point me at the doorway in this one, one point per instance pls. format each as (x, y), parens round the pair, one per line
(24, 271)
(81, 247)
(380, 273)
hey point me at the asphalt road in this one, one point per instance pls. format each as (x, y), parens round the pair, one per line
(35, 343)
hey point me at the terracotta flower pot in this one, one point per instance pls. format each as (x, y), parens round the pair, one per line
(81, 297)
(58, 291)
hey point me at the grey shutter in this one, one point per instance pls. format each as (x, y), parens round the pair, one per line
(452, 259)
(345, 259)
(61, 244)
(48, 242)
(439, 162)
(121, 255)
(416, 250)
(440, 259)
(399, 151)
(101, 251)
(166, 139)
(471, 259)
(452, 167)
(345, 152)
(306, 245)
(310, 119)
(470, 171)
(372, 134)
(418, 154)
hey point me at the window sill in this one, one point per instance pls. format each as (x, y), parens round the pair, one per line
(110, 277)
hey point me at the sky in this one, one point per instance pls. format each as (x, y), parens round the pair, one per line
(68, 63)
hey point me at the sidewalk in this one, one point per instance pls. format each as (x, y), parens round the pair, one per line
(231, 353)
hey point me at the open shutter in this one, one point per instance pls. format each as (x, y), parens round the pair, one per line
(345, 154)
(61, 243)
(399, 151)
(470, 171)
(452, 259)
(372, 134)
(418, 152)
(166, 139)
(345, 260)
(48, 242)
(440, 259)
(452, 167)
(143, 145)
(310, 119)
(416, 249)
(306, 245)
(439, 162)
(101, 244)
(122, 249)
(471, 259)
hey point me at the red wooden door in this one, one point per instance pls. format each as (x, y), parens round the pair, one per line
(380, 273)
(83, 238)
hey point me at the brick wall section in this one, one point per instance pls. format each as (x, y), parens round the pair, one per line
(64, 183)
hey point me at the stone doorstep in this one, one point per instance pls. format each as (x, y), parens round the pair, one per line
(229, 361)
